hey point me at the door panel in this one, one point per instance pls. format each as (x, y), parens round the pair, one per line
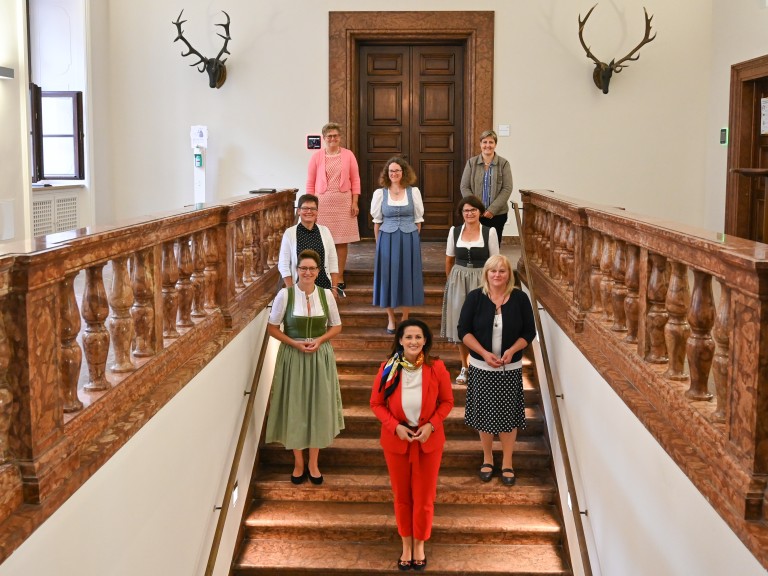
(411, 106)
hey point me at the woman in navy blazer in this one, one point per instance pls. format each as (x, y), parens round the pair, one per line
(411, 396)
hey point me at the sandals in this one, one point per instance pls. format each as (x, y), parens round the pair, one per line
(486, 476)
(508, 480)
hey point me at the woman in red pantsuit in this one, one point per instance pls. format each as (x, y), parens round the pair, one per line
(411, 396)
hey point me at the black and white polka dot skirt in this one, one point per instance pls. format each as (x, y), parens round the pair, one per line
(495, 401)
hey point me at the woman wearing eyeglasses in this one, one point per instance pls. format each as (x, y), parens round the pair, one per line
(334, 176)
(305, 403)
(469, 246)
(397, 212)
(307, 234)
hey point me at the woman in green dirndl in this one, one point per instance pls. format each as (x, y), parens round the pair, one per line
(305, 403)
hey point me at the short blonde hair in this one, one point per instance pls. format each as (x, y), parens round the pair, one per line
(331, 126)
(493, 262)
(489, 134)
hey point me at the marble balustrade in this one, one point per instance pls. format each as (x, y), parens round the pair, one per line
(99, 329)
(676, 320)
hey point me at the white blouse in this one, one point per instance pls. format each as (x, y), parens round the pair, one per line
(493, 242)
(300, 306)
(411, 395)
(378, 199)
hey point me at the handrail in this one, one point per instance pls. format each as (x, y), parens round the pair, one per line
(575, 509)
(224, 508)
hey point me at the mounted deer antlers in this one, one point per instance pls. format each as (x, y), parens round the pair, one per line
(217, 71)
(603, 72)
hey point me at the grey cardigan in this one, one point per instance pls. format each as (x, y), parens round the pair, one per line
(501, 182)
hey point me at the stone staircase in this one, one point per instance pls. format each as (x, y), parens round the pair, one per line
(347, 525)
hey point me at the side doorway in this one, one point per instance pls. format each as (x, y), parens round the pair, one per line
(410, 105)
(418, 84)
(746, 208)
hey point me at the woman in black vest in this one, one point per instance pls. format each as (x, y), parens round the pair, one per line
(469, 246)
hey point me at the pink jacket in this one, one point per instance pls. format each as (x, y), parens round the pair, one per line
(350, 175)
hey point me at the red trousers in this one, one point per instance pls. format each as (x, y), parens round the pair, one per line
(413, 476)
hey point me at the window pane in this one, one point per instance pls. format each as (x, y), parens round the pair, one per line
(57, 116)
(59, 156)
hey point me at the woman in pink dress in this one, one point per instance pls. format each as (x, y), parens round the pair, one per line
(334, 178)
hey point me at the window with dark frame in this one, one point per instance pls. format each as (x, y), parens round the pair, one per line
(57, 135)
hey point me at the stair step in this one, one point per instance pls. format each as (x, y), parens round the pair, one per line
(530, 453)
(359, 420)
(362, 294)
(375, 522)
(371, 484)
(299, 558)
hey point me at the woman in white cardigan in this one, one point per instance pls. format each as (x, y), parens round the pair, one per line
(309, 235)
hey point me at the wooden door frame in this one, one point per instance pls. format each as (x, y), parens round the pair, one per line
(347, 30)
(737, 205)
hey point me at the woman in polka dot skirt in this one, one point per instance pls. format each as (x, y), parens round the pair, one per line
(496, 324)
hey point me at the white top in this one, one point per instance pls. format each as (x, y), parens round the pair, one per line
(300, 306)
(496, 349)
(410, 381)
(288, 259)
(378, 199)
(493, 242)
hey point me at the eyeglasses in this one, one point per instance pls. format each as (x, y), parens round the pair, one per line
(308, 209)
(470, 211)
(307, 268)
(332, 136)
(395, 171)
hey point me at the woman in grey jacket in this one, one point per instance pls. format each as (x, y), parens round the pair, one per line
(489, 177)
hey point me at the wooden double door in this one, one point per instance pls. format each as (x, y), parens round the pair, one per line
(411, 105)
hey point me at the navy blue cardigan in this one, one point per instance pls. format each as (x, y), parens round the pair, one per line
(477, 314)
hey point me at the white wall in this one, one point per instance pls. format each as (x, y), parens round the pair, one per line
(640, 146)
(644, 515)
(739, 34)
(13, 126)
(150, 509)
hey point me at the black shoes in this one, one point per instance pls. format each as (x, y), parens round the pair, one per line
(419, 565)
(403, 565)
(341, 289)
(299, 479)
(486, 472)
(315, 480)
(508, 480)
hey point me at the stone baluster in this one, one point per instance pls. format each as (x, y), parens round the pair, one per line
(557, 249)
(170, 275)
(548, 224)
(677, 330)
(568, 259)
(563, 244)
(595, 275)
(701, 347)
(71, 357)
(275, 236)
(535, 234)
(257, 244)
(94, 309)
(6, 396)
(184, 286)
(248, 275)
(632, 301)
(657, 315)
(211, 273)
(619, 288)
(721, 334)
(239, 258)
(143, 310)
(606, 282)
(198, 276)
(120, 323)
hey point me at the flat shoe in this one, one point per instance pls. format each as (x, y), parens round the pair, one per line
(508, 480)
(316, 480)
(419, 565)
(486, 476)
(298, 479)
(391, 330)
(403, 565)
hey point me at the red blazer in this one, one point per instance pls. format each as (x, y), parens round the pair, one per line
(436, 404)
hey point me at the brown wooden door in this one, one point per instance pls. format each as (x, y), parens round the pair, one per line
(411, 106)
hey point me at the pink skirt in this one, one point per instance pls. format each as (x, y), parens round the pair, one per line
(336, 213)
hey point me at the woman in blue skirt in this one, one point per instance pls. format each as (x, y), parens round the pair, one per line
(397, 212)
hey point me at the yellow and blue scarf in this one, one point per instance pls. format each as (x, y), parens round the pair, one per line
(390, 376)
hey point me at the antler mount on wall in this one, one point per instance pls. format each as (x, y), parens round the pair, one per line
(217, 71)
(603, 72)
